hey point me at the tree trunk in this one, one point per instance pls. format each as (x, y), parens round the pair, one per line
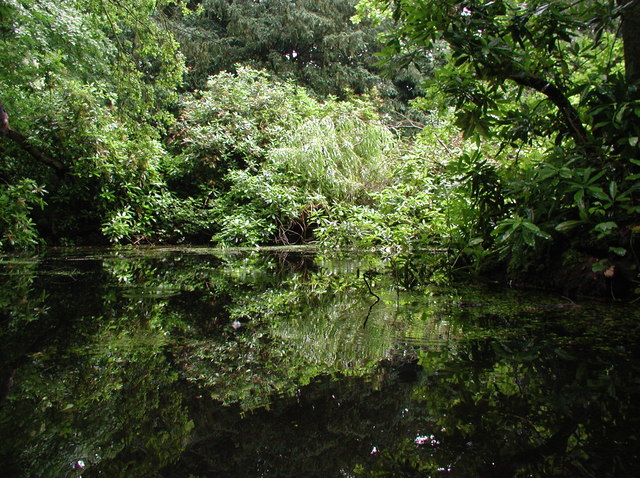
(23, 142)
(631, 40)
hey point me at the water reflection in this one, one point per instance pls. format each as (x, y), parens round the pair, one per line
(199, 362)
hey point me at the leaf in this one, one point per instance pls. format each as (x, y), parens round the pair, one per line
(621, 251)
(605, 227)
(544, 235)
(568, 225)
(531, 226)
(597, 192)
(529, 239)
(620, 113)
(633, 141)
(593, 179)
(506, 235)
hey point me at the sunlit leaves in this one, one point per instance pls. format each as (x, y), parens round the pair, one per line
(277, 154)
(88, 83)
(339, 156)
(238, 117)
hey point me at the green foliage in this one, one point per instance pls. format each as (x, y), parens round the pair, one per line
(312, 42)
(402, 214)
(535, 79)
(523, 45)
(88, 91)
(222, 141)
(414, 207)
(253, 158)
(234, 122)
(261, 209)
(132, 361)
(341, 154)
(112, 166)
(89, 42)
(265, 155)
(17, 229)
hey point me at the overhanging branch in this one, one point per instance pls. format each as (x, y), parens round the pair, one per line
(23, 142)
(557, 97)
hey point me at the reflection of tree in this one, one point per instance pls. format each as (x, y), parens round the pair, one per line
(326, 427)
(29, 289)
(122, 364)
(93, 389)
(113, 412)
(531, 406)
(306, 322)
(97, 376)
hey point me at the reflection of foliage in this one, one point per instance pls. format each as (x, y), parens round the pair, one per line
(287, 331)
(523, 407)
(108, 405)
(100, 391)
(140, 362)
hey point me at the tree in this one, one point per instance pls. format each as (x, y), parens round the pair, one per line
(83, 102)
(315, 43)
(630, 14)
(538, 45)
(559, 75)
(311, 41)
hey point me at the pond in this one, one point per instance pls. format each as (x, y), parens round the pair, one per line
(195, 362)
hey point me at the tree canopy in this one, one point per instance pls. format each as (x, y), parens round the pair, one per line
(558, 77)
(311, 41)
(570, 53)
(86, 88)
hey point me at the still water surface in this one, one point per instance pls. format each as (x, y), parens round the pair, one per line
(183, 362)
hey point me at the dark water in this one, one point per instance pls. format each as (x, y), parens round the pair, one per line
(204, 363)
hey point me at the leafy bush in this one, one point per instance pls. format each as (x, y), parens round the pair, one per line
(88, 95)
(232, 124)
(341, 154)
(271, 156)
(409, 209)
(258, 209)
(17, 229)
(112, 166)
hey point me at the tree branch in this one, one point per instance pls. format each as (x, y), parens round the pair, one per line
(557, 97)
(23, 142)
